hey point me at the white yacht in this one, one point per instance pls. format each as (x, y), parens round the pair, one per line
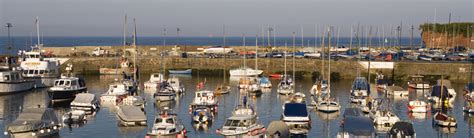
(167, 124)
(176, 85)
(417, 106)
(155, 80)
(165, 93)
(328, 105)
(117, 91)
(286, 86)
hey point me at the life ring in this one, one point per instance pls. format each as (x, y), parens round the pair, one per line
(210, 97)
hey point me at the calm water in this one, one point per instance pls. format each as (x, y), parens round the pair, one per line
(25, 42)
(268, 106)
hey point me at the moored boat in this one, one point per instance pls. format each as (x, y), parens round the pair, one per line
(131, 115)
(296, 116)
(67, 87)
(444, 120)
(167, 124)
(34, 122)
(86, 102)
(12, 81)
(155, 80)
(187, 71)
(418, 106)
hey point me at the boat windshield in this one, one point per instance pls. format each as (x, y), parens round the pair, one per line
(238, 123)
(62, 83)
(295, 109)
(158, 120)
(360, 84)
(170, 121)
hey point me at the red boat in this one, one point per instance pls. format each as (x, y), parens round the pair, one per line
(276, 75)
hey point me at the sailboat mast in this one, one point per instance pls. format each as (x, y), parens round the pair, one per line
(125, 31)
(256, 51)
(302, 37)
(135, 49)
(322, 54)
(38, 32)
(245, 54)
(329, 57)
(284, 56)
(225, 54)
(370, 54)
(350, 45)
(294, 51)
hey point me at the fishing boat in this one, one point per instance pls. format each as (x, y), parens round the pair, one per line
(12, 81)
(417, 82)
(187, 71)
(177, 86)
(444, 120)
(67, 87)
(34, 122)
(165, 93)
(131, 115)
(265, 82)
(155, 80)
(86, 102)
(360, 90)
(418, 106)
(204, 98)
(202, 115)
(242, 123)
(167, 124)
(296, 116)
(37, 68)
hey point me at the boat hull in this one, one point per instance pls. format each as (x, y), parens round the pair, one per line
(64, 95)
(42, 82)
(7, 87)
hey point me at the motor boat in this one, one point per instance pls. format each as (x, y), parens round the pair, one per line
(131, 115)
(34, 122)
(176, 85)
(117, 91)
(418, 106)
(202, 115)
(444, 120)
(384, 118)
(265, 82)
(417, 82)
(155, 80)
(242, 123)
(165, 93)
(296, 116)
(66, 88)
(286, 86)
(356, 124)
(204, 98)
(360, 90)
(167, 124)
(12, 81)
(254, 88)
(86, 102)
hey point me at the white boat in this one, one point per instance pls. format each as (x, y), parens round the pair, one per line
(254, 88)
(12, 81)
(66, 88)
(245, 82)
(312, 55)
(417, 82)
(298, 97)
(43, 72)
(34, 122)
(187, 71)
(167, 124)
(218, 50)
(319, 87)
(165, 93)
(245, 72)
(385, 118)
(86, 102)
(176, 85)
(117, 91)
(155, 80)
(242, 123)
(360, 90)
(222, 89)
(286, 86)
(204, 98)
(296, 116)
(444, 120)
(328, 106)
(417, 106)
(131, 115)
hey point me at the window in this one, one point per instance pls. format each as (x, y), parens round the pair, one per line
(67, 83)
(169, 120)
(73, 83)
(56, 83)
(158, 120)
(25, 72)
(41, 71)
(6, 77)
(30, 71)
(36, 71)
(61, 82)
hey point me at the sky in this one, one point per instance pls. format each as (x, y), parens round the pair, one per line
(207, 17)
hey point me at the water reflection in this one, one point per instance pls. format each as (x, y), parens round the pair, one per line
(268, 106)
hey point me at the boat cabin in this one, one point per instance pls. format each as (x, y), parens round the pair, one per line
(10, 76)
(204, 97)
(71, 83)
(240, 121)
(157, 77)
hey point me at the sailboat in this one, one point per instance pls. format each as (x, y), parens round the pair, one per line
(245, 71)
(255, 88)
(325, 103)
(286, 85)
(125, 65)
(38, 69)
(321, 85)
(440, 118)
(223, 88)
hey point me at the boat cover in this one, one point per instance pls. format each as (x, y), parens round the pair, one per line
(470, 87)
(402, 128)
(446, 83)
(278, 128)
(33, 119)
(436, 91)
(131, 113)
(358, 126)
(295, 109)
(352, 112)
(83, 99)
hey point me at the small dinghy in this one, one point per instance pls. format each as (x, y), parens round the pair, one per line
(444, 120)
(34, 122)
(86, 102)
(130, 115)
(74, 117)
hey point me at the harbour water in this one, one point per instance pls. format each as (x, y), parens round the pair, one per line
(268, 106)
